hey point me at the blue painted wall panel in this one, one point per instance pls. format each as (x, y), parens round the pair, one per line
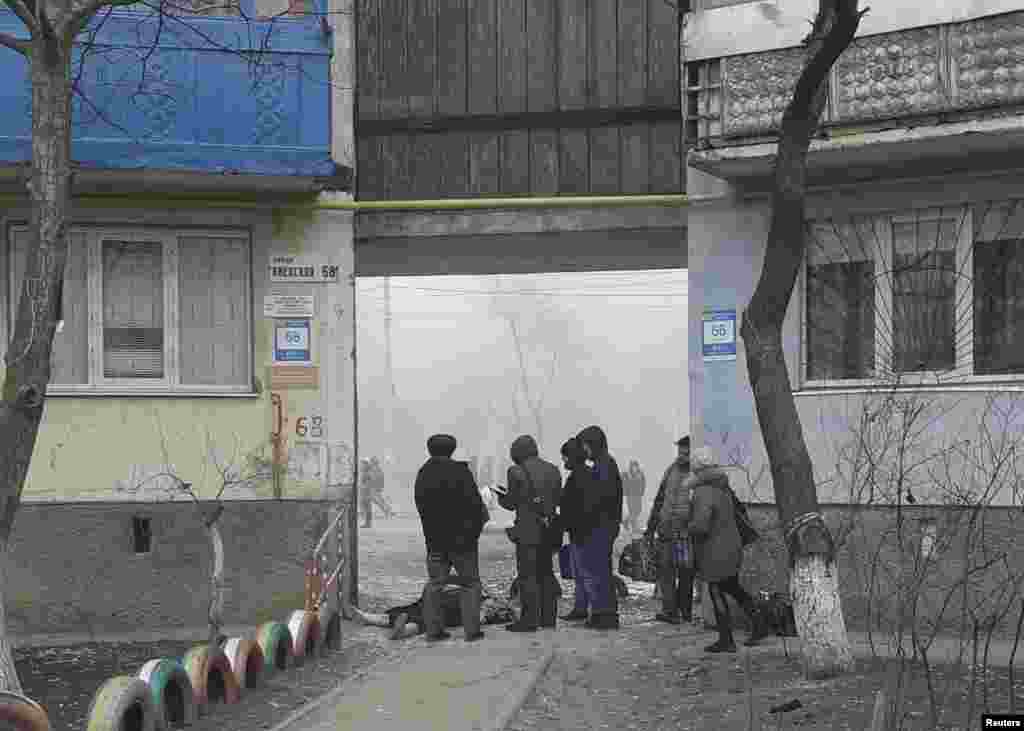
(188, 94)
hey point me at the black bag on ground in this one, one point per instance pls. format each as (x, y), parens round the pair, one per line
(777, 612)
(637, 561)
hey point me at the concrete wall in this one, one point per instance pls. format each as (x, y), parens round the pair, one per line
(73, 568)
(749, 27)
(998, 531)
(727, 234)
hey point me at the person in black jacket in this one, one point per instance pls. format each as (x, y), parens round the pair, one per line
(571, 509)
(534, 493)
(600, 522)
(453, 516)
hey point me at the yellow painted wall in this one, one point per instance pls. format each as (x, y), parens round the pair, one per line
(107, 447)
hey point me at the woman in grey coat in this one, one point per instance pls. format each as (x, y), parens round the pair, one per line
(718, 550)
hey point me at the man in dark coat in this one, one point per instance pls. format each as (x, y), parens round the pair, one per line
(571, 510)
(675, 571)
(534, 492)
(453, 516)
(600, 522)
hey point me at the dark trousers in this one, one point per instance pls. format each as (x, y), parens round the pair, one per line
(467, 569)
(717, 591)
(597, 572)
(675, 583)
(580, 600)
(538, 587)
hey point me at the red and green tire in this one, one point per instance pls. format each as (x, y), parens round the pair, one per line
(213, 681)
(172, 693)
(275, 640)
(21, 713)
(246, 660)
(122, 702)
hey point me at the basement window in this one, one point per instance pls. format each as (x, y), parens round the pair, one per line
(142, 535)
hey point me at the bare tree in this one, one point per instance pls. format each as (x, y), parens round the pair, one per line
(542, 342)
(813, 580)
(230, 476)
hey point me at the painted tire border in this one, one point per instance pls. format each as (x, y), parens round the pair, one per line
(240, 652)
(157, 674)
(115, 698)
(305, 628)
(23, 712)
(269, 636)
(198, 664)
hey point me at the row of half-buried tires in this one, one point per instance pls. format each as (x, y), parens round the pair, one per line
(170, 693)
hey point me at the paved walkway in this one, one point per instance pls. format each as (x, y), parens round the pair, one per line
(448, 686)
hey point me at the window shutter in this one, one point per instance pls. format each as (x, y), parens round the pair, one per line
(70, 357)
(213, 302)
(133, 309)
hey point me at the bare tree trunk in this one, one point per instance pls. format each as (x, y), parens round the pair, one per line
(813, 580)
(8, 673)
(216, 613)
(27, 371)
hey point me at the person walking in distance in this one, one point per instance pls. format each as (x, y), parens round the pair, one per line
(634, 485)
(668, 523)
(534, 492)
(366, 486)
(571, 508)
(453, 516)
(601, 520)
(718, 549)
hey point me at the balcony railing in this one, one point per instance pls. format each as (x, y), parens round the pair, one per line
(186, 92)
(909, 73)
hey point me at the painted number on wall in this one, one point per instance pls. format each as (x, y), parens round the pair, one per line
(311, 426)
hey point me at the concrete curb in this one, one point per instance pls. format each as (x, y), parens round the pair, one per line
(512, 710)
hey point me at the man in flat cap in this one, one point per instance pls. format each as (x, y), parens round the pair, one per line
(669, 518)
(453, 516)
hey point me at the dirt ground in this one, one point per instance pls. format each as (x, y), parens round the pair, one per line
(654, 676)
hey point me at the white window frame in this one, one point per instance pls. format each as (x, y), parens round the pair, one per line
(963, 315)
(170, 384)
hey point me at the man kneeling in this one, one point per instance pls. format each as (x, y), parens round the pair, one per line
(453, 516)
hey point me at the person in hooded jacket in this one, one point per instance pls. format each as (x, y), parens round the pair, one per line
(453, 517)
(718, 549)
(600, 521)
(534, 492)
(571, 510)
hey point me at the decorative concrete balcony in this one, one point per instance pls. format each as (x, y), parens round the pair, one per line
(189, 94)
(941, 90)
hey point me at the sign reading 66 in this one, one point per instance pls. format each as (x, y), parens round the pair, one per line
(719, 334)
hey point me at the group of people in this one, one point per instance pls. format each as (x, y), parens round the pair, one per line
(693, 521)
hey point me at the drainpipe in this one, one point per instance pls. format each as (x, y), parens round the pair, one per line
(221, 200)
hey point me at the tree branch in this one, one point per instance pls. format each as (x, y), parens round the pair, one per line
(19, 8)
(15, 44)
